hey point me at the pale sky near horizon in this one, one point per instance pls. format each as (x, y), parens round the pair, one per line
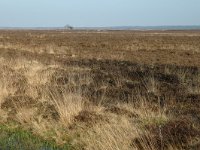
(96, 13)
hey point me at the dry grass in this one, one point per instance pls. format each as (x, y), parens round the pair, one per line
(67, 92)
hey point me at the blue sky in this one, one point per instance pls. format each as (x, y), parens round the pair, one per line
(55, 13)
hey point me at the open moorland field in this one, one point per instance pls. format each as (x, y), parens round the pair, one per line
(106, 90)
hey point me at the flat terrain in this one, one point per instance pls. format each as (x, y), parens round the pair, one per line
(101, 89)
(150, 47)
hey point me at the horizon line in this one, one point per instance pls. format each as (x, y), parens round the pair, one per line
(110, 26)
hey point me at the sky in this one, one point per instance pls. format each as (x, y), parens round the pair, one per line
(98, 13)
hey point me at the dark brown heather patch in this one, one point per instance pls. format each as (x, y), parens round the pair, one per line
(121, 111)
(88, 117)
(48, 111)
(175, 132)
(13, 102)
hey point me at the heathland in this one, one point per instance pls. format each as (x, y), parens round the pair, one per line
(104, 90)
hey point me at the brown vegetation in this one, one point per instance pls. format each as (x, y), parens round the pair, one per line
(103, 90)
